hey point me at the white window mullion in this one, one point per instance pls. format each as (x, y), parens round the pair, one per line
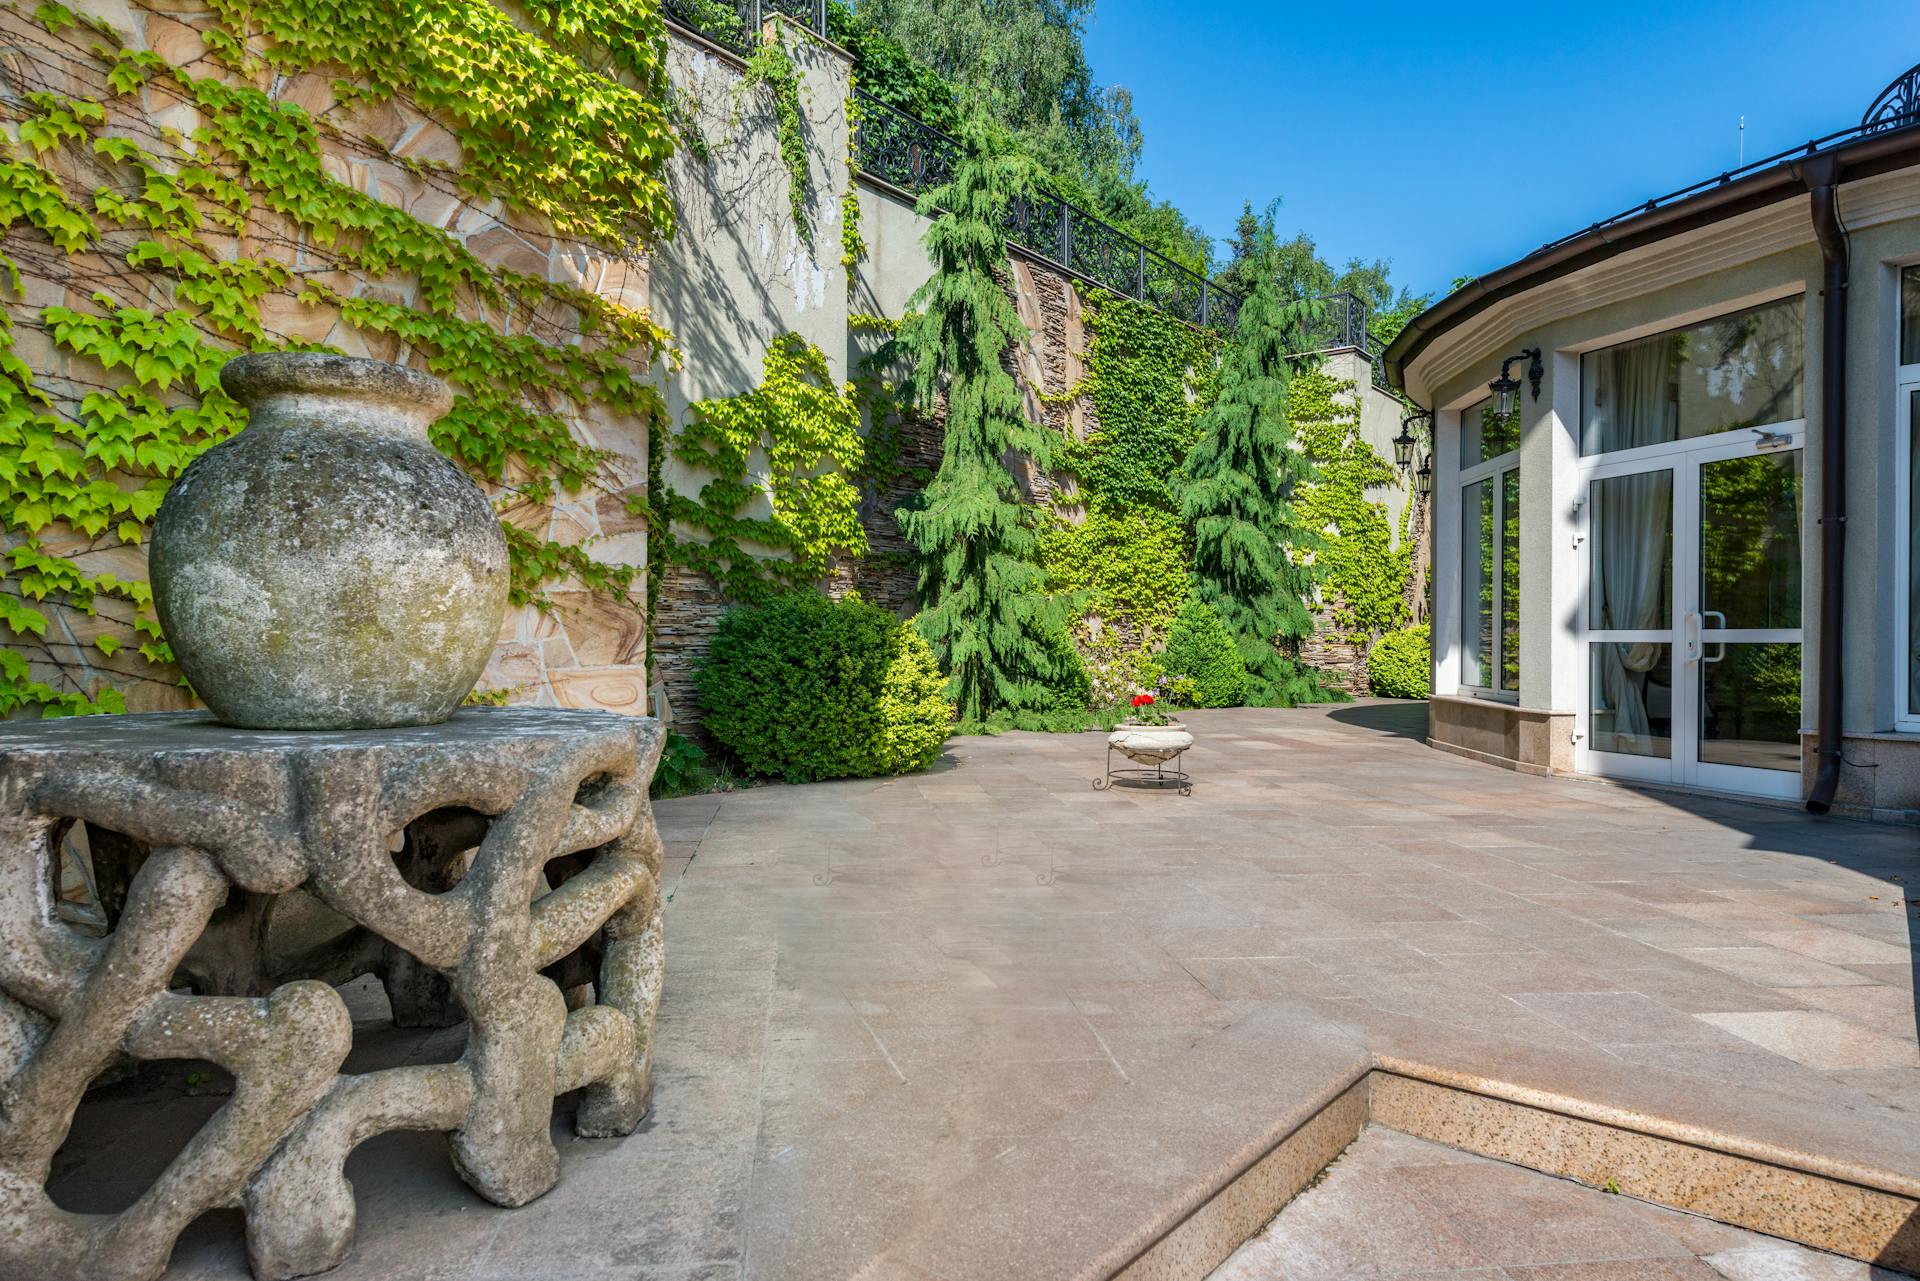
(1907, 384)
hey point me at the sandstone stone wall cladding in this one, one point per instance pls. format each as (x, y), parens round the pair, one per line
(588, 651)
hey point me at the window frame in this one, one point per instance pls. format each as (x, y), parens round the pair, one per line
(1495, 470)
(1906, 382)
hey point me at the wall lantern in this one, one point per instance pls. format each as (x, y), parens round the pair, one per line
(1506, 387)
(1423, 479)
(1403, 443)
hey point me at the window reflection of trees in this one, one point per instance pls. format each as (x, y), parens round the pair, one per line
(1750, 539)
(1732, 372)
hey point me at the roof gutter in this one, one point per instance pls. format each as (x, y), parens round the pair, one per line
(1818, 175)
(1876, 153)
(1822, 178)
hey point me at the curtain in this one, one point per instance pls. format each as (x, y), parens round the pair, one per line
(1635, 382)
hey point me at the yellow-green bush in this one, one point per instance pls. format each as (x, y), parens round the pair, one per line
(804, 688)
(1201, 650)
(1401, 665)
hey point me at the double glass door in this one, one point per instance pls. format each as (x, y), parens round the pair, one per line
(1692, 620)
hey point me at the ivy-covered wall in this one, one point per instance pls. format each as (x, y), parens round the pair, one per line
(437, 182)
(740, 280)
(1362, 507)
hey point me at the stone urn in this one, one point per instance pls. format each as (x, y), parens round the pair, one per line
(328, 568)
(1150, 744)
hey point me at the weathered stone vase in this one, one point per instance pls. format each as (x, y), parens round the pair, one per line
(328, 568)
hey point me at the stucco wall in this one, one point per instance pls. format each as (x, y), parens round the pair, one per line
(738, 275)
(1767, 254)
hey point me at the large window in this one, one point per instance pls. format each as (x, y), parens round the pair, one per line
(1489, 550)
(1742, 370)
(1907, 437)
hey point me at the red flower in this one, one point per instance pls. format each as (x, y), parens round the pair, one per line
(1141, 700)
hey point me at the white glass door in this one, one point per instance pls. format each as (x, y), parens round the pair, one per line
(1691, 629)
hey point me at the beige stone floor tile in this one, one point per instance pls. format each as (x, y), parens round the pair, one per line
(1777, 1264)
(1818, 1039)
(1700, 989)
(1885, 1009)
(1365, 1224)
(1619, 1017)
(1773, 967)
(1742, 1063)
(1616, 1270)
(1896, 976)
(1898, 1088)
(1838, 947)
(1513, 1217)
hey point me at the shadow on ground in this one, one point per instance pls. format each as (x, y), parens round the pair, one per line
(1406, 719)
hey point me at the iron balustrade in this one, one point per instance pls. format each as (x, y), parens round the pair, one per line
(734, 24)
(914, 157)
(1896, 107)
(1898, 104)
(1338, 322)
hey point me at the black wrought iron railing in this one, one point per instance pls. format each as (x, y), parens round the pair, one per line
(1338, 322)
(915, 158)
(732, 24)
(1897, 107)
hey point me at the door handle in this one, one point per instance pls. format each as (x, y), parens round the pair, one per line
(1690, 638)
(1720, 647)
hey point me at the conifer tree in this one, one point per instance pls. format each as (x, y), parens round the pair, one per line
(984, 607)
(1252, 559)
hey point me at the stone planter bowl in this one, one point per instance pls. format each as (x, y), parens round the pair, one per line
(327, 567)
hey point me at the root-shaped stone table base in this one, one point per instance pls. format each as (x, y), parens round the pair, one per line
(501, 868)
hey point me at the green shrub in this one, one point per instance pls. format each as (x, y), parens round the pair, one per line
(1070, 689)
(1401, 665)
(806, 688)
(686, 770)
(1200, 649)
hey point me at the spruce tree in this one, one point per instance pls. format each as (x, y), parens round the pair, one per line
(984, 607)
(1252, 559)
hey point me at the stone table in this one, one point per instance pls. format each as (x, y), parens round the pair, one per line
(501, 868)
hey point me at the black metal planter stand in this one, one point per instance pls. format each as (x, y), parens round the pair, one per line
(1157, 776)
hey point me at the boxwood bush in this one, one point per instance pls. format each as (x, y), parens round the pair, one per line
(1400, 664)
(802, 688)
(1200, 648)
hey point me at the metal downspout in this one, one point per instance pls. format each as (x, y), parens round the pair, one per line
(1822, 177)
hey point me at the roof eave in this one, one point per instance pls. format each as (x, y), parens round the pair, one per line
(1876, 153)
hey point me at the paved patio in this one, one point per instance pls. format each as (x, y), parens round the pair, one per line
(1395, 1208)
(880, 993)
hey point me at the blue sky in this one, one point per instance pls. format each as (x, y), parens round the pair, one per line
(1453, 138)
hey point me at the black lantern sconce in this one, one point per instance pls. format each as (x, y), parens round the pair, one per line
(1403, 443)
(1423, 479)
(1506, 387)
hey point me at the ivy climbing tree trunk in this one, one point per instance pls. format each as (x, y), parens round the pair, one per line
(1252, 556)
(996, 633)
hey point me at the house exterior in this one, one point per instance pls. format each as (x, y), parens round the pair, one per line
(1674, 463)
